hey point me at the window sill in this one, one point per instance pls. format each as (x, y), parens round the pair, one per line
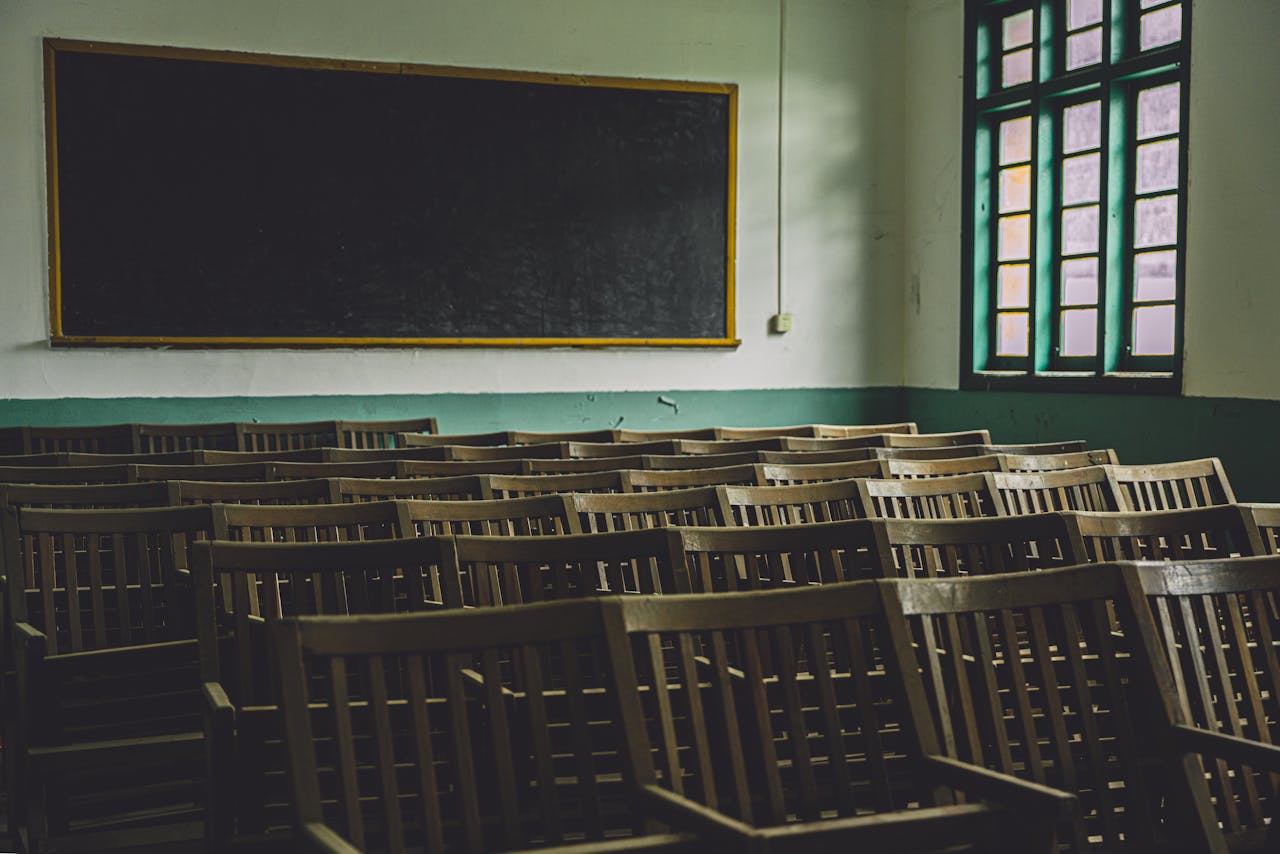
(1130, 382)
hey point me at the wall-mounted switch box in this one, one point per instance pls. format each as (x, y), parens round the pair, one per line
(780, 323)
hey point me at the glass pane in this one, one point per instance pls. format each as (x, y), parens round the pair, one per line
(1155, 276)
(1082, 13)
(1084, 49)
(1158, 110)
(1015, 140)
(1147, 4)
(1017, 67)
(1015, 238)
(1017, 30)
(1015, 189)
(1158, 166)
(1080, 230)
(1011, 334)
(1163, 26)
(1082, 127)
(1080, 281)
(1081, 177)
(1079, 332)
(1153, 330)
(1156, 221)
(1015, 286)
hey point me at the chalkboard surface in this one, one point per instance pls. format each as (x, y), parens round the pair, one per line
(208, 199)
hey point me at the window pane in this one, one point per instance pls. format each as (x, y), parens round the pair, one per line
(1015, 238)
(1155, 276)
(1158, 166)
(1163, 26)
(1012, 334)
(1082, 13)
(1081, 178)
(1017, 30)
(1080, 281)
(1147, 4)
(1082, 127)
(1158, 110)
(1015, 189)
(1015, 140)
(1080, 230)
(1017, 67)
(1084, 49)
(1015, 286)
(1153, 330)
(1156, 221)
(1080, 332)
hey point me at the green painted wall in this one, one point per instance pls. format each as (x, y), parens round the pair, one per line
(1142, 429)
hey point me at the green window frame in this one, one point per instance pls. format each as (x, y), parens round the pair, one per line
(1074, 225)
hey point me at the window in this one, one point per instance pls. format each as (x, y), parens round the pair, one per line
(1075, 210)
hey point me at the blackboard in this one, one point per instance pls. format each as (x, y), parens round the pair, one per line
(203, 198)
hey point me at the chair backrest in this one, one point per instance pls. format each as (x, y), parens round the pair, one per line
(1200, 534)
(97, 439)
(466, 487)
(76, 458)
(964, 496)
(535, 515)
(936, 440)
(521, 485)
(728, 446)
(1025, 674)
(315, 491)
(48, 460)
(286, 436)
(305, 471)
(457, 731)
(66, 474)
(1266, 519)
(533, 437)
(152, 438)
(629, 511)
(778, 474)
(670, 462)
(225, 472)
(580, 466)
(740, 433)
(98, 579)
(379, 434)
(656, 480)
(630, 436)
(419, 440)
(1171, 486)
(908, 469)
(784, 556)
(85, 496)
(1218, 625)
(846, 431)
(1022, 493)
(592, 450)
(943, 452)
(315, 523)
(544, 451)
(814, 458)
(953, 548)
(515, 570)
(364, 455)
(1027, 462)
(453, 468)
(1040, 448)
(297, 455)
(830, 501)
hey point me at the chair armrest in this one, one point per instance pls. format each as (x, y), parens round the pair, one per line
(219, 741)
(322, 840)
(1003, 788)
(683, 814)
(27, 633)
(1255, 754)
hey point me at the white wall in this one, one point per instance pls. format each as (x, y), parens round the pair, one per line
(1233, 290)
(842, 186)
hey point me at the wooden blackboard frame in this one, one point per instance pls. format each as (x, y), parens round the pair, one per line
(57, 337)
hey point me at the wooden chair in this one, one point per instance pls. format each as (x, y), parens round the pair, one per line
(830, 444)
(812, 458)
(953, 548)
(249, 800)
(1171, 486)
(740, 433)
(580, 466)
(728, 446)
(544, 450)
(784, 556)
(521, 485)
(1020, 462)
(910, 469)
(85, 496)
(1027, 675)
(466, 487)
(531, 437)
(846, 431)
(796, 738)
(224, 472)
(1200, 534)
(752, 506)
(419, 440)
(364, 455)
(635, 436)
(1266, 519)
(466, 731)
(631, 511)
(153, 438)
(537, 515)
(66, 474)
(1217, 625)
(286, 436)
(1024, 493)
(672, 462)
(99, 439)
(379, 434)
(770, 474)
(315, 491)
(936, 440)
(965, 496)
(592, 450)
(315, 523)
(297, 455)
(506, 570)
(656, 480)
(104, 745)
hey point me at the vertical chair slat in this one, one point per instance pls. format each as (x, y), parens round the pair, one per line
(386, 758)
(428, 786)
(345, 743)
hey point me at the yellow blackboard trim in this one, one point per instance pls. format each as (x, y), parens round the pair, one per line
(305, 343)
